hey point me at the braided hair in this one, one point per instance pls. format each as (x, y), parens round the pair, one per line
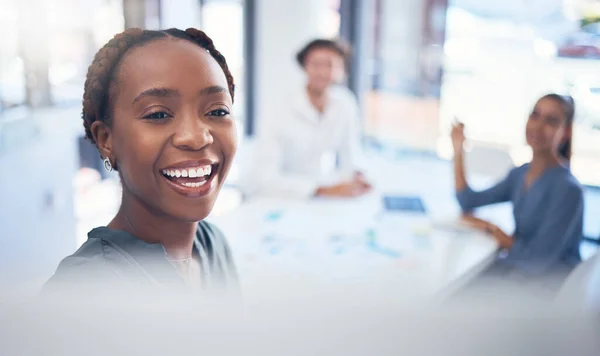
(101, 73)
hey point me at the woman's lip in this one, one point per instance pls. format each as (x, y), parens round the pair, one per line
(192, 192)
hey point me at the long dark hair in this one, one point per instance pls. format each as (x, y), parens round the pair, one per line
(568, 105)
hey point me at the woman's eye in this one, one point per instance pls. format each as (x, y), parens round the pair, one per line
(219, 113)
(159, 115)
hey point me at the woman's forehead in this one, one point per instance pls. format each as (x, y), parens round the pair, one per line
(172, 63)
(549, 104)
(320, 52)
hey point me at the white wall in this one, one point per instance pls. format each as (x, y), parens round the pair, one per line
(283, 27)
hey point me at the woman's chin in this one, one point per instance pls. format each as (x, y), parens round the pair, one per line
(191, 214)
(195, 218)
(190, 209)
(540, 150)
(534, 145)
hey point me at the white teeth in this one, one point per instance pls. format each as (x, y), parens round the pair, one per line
(191, 172)
(194, 184)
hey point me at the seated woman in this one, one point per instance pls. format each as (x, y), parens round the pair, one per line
(157, 105)
(547, 199)
(312, 147)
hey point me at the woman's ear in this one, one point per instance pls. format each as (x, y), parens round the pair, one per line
(103, 137)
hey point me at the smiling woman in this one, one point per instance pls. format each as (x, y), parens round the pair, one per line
(157, 105)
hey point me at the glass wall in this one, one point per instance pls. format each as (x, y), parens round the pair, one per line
(405, 42)
(72, 31)
(485, 63)
(12, 77)
(223, 21)
(501, 57)
(332, 20)
(77, 30)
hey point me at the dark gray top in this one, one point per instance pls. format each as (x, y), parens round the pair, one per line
(116, 259)
(548, 218)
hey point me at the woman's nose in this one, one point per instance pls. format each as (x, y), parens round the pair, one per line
(192, 134)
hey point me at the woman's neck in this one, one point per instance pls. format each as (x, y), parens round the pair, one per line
(148, 225)
(543, 161)
(317, 97)
(315, 92)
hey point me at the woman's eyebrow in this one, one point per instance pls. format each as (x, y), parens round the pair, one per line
(215, 89)
(156, 92)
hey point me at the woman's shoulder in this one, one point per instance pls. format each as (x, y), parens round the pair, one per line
(559, 177)
(96, 261)
(517, 173)
(342, 94)
(92, 251)
(216, 247)
(213, 239)
(522, 169)
(101, 245)
(565, 178)
(81, 269)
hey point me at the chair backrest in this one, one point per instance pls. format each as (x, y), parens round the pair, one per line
(493, 161)
(581, 289)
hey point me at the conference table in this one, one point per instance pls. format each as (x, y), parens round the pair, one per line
(303, 246)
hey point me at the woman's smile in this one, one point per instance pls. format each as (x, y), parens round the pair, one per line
(192, 179)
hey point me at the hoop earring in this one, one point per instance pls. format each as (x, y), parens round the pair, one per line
(107, 165)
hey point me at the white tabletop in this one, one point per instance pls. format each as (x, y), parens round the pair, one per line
(282, 246)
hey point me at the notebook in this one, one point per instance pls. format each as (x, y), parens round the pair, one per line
(404, 203)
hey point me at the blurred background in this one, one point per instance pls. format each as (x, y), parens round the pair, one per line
(416, 65)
